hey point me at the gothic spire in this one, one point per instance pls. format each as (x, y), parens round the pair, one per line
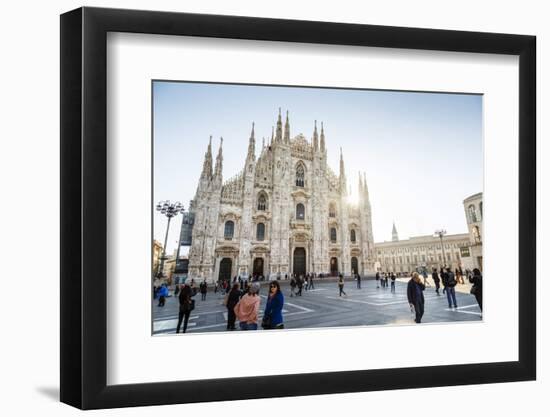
(219, 161)
(207, 164)
(315, 138)
(322, 138)
(342, 173)
(252, 144)
(342, 170)
(287, 129)
(394, 235)
(279, 133)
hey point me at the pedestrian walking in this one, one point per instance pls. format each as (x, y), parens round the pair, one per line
(292, 286)
(415, 296)
(187, 304)
(273, 313)
(300, 285)
(341, 285)
(477, 288)
(247, 308)
(162, 293)
(436, 279)
(358, 281)
(377, 279)
(216, 287)
(203, 287)
(386, 280)
(230, 301)
(450, 283)
(393, 278)
(311, 287)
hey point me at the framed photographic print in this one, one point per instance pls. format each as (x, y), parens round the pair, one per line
(302, 205)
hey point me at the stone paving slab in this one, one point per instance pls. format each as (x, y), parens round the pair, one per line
(323, 307)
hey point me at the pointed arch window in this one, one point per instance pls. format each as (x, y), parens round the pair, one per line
(477, 234)
(472, 213)
(262, 202)
(333, 234)
(332, 210)
(300, 175)
(352, 236)
(229, 229)
(300, 211)
(260, 231)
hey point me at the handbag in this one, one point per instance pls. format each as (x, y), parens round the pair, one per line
(473, 290)
(266, 322)
(192, 305)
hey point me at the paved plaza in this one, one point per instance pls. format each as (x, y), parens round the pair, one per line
(322, 307)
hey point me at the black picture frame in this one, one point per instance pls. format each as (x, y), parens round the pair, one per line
(84, 207)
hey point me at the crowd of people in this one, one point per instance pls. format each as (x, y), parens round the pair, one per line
(241, 297)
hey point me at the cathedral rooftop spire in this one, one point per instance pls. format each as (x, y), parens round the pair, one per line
(315, 137)
(279, 132)
(322, 138)
(207, 164)
(252, 144)
(219, 160)
(287, 129)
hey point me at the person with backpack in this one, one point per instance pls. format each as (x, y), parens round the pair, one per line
(415, 296)
(450, 283)
(187, 304)
(477, 288)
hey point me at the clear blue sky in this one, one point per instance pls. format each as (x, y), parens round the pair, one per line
(422, 152)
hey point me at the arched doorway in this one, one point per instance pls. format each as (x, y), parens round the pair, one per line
(333, 266)
(225, 269)
(354, 265)
(258, 267)
(299, 263)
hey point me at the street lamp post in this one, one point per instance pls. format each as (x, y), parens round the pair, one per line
(441, 233)
(169, 210)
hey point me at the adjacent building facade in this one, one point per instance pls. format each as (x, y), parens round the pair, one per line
(405, 256)
(473, 209)
(285, 212)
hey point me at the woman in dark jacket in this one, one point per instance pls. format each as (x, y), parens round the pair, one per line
(273, 313)
(232, 300)
(477, 288)
(186, 306)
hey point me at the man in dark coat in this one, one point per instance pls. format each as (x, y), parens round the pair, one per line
(415, 295)
(449, 282)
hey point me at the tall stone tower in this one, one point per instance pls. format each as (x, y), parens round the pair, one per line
(394, 235)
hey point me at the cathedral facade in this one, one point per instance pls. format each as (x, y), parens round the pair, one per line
(285, 212)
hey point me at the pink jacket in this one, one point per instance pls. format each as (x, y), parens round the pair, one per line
(247, 308)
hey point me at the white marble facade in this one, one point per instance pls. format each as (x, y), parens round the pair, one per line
(286, 211)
